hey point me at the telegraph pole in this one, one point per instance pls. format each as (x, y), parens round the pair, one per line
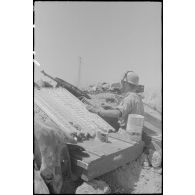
(79, 72)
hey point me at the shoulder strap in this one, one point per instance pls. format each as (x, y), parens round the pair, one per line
(125, 75)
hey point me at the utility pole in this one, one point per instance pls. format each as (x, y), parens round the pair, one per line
(79, 72)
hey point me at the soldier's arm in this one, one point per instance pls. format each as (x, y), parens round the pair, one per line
(125, 106)
(107, 106)
(111, 113)
(114, 113)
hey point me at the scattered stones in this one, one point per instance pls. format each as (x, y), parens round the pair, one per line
(135, 178)
(93, 187)
(146, 164)
(155, 158)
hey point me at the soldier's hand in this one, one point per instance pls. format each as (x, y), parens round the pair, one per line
(93, 109)
(106, 106)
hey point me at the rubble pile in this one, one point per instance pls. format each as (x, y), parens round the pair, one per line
(103, 87)
(80, 134)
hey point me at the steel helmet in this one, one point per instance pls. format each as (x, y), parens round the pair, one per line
(131, 77)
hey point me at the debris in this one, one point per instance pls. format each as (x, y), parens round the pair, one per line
(81, 135)
(144, 160)
(105, 86)
(155, 158)
(93, 187)
(134, 178)
(115, 86)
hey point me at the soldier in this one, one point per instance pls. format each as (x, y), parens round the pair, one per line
(131, 103)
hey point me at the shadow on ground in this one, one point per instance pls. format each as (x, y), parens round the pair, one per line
(123, 179)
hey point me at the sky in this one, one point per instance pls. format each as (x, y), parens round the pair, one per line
(110, 38)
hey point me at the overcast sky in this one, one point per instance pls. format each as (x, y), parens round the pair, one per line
(111, 37)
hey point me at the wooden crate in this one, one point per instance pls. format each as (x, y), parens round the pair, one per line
(99, 158)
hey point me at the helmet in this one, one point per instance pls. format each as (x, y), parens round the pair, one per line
(131, 77)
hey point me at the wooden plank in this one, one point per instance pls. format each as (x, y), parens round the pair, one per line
(122, 137)
(66, 128)
(117, 153)
(113, 147)
(151, 134)
(115, 143)
(151, 129)
(112, 162)
(80, 154)
(152, 117)
(106, 149)
(91, 146)
(155, 113)
(69, 108)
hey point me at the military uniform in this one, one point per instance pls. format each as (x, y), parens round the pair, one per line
(131, 104)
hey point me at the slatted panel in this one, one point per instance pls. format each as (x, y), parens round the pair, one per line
(81, 110)
(98, 120)
(40, 115)
(105, 149)
(63, 113)
(153, 116)
(78, 112)
(65, 106)
(59, 121)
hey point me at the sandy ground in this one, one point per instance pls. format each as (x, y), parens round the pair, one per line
(135, 178)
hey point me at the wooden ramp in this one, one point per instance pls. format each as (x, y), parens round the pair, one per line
(90, 158)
